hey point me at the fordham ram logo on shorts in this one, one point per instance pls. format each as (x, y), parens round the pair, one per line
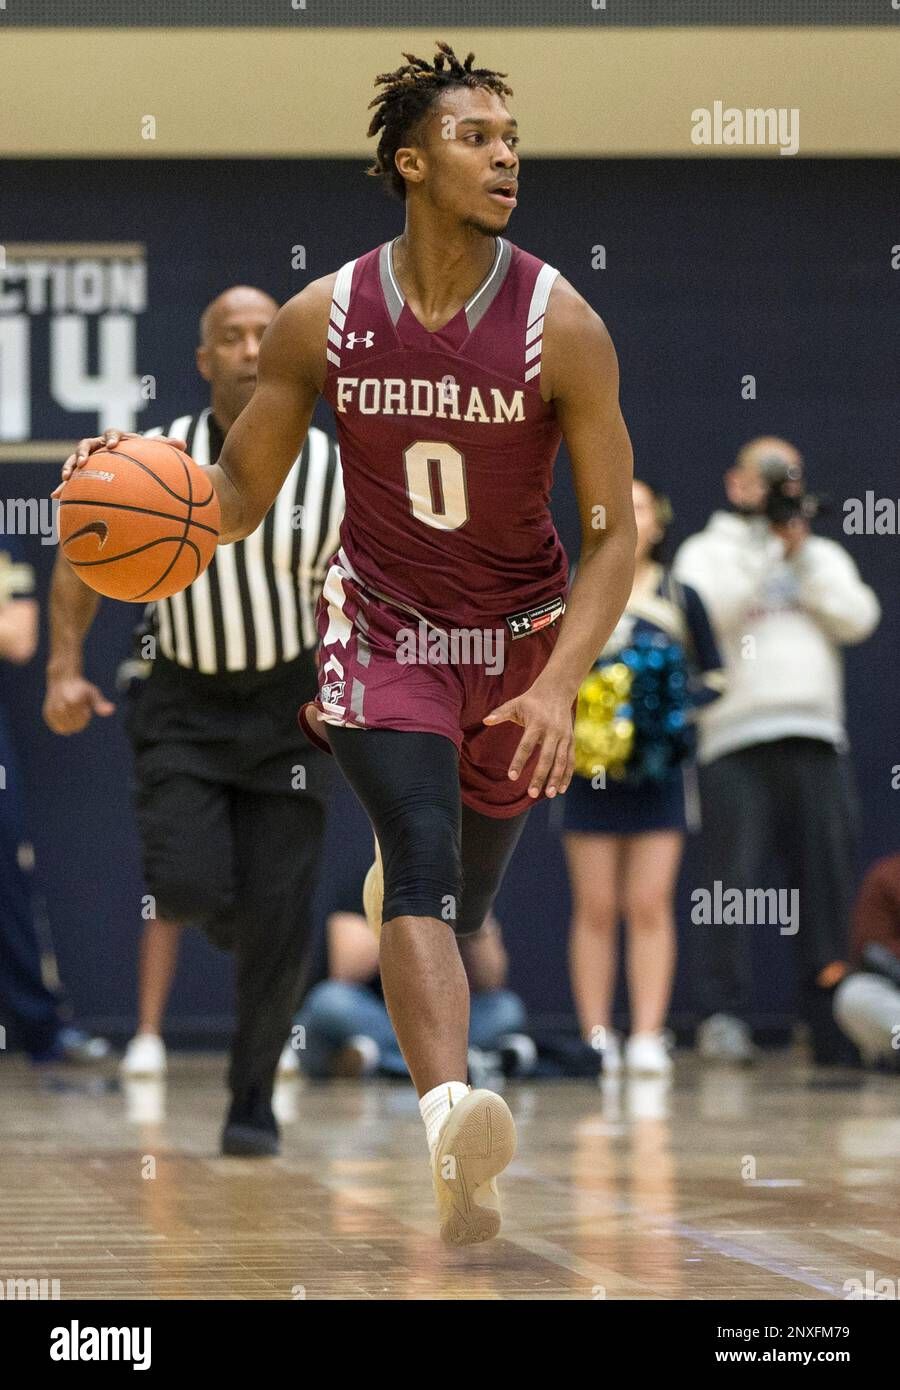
(333, 692)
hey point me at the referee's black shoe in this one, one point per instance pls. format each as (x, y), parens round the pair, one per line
(250, 1129)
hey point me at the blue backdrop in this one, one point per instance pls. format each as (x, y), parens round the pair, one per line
(714, 269)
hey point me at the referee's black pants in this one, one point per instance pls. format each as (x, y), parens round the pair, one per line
(231, 803)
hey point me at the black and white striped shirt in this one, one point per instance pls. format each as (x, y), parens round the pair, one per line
(254, 606)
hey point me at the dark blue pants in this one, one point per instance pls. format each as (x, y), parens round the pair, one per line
(334, 1011)
(27, 1007)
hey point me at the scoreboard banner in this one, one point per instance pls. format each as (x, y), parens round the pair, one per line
(69, 338)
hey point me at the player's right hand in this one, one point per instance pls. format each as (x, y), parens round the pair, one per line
(71, 702)
(107, 440)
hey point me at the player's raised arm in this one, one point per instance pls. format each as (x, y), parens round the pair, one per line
(265, 439)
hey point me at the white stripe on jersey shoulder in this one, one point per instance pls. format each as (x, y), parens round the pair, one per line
(340, 303)
(534, 326)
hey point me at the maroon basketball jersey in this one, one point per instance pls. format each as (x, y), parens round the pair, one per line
(447, 447)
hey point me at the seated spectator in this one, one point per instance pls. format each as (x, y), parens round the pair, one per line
(867, 1002)
(347, 1030)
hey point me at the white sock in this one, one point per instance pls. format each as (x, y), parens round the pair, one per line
(436, 1105)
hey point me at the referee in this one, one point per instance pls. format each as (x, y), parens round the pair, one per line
(230, 801)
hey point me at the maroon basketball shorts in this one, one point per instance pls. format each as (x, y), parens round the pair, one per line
(383, 667)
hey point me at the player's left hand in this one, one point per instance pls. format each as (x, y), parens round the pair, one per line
(546, 716)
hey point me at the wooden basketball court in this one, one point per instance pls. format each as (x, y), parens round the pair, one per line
(777, 1183)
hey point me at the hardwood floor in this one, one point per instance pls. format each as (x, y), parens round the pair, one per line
(778, 1183)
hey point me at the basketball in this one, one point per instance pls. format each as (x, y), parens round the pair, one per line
(139, 521)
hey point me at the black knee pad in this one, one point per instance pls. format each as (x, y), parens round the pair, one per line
(408, 783)
(421, 856)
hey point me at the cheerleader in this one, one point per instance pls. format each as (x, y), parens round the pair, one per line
(625, 814)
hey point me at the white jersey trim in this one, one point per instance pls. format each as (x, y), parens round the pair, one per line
(340, 303)
(534, 326)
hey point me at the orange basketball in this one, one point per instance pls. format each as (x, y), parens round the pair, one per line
(139, 521)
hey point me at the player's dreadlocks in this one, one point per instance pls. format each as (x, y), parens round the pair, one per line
(409, 93)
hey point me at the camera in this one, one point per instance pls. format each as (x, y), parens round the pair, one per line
(786, 497)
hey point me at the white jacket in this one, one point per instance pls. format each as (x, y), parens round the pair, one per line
(780, 624)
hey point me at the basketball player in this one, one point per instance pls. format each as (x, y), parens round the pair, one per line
(454, 363)
(231, 838)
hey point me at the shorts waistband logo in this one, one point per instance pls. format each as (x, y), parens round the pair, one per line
(533, 619)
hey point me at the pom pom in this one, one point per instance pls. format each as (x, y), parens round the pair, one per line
(631, 718)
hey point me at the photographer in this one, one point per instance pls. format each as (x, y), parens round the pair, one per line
(772, 775)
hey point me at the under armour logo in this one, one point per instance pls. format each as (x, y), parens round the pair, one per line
(367, 339)
(520, 624)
